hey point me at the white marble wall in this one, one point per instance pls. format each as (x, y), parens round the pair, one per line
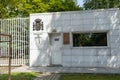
(86, 57)
(78, 21)
(39, 49)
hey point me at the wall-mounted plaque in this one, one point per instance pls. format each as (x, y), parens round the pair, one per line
(57, 39)
(66, 38)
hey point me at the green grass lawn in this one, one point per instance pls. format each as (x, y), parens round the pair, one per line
(90, 77)
(19, 76)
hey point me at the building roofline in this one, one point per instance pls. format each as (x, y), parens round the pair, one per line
(80, 11)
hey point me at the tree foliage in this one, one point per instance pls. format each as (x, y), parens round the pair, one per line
(101, 4)
(7, 7)
(13, 8)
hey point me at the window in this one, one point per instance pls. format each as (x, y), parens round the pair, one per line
(89, 39)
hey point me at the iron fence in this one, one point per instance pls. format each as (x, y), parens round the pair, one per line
(19, 29)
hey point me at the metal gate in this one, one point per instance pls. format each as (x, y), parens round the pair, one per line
(19, 29)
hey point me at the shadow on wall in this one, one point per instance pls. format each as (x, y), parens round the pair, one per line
(42, 40)
(42, 50)
(79, 21)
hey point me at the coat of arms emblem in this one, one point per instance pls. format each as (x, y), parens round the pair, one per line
(37, 24)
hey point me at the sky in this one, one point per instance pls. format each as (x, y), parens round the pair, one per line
(80, 2)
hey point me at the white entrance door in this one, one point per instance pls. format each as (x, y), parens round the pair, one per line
(56, 48)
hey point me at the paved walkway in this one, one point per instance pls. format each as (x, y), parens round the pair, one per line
(52, 73)
(53, 76)
(66, 70)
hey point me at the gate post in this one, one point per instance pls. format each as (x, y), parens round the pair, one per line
(10, 53)
(10, 56)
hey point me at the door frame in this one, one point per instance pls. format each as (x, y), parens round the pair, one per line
(51, 51)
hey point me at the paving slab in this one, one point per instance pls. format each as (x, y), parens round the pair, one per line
(67, 70)
(52, 76)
